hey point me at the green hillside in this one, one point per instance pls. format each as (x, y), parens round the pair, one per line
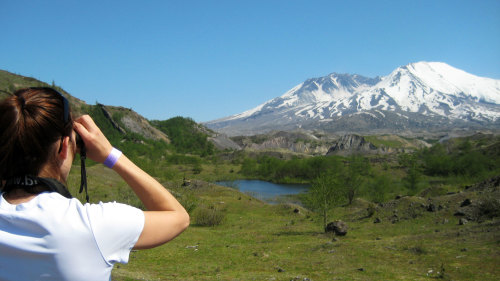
(186, 135)
(126, 129)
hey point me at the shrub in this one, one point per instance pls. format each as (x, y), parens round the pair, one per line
(380, 187)
(197, 168)
(489, 208)
(189, 201)
(209, 216)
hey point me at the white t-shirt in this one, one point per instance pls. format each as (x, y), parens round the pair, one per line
(55, 238)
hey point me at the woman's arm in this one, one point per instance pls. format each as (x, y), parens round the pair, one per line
(165, 218)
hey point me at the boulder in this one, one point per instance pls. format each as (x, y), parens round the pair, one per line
(466, 203)
(431, 207)
(338, 227)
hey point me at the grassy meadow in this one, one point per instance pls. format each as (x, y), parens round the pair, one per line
(259, 241)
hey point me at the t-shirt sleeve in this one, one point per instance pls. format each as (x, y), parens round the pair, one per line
(116, 229)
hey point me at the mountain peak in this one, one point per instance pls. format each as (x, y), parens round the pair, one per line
(446, 79)
(415, 96)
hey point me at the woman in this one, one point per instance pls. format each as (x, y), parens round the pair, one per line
(44, 233)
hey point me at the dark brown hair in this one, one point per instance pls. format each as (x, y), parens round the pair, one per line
(31, 121)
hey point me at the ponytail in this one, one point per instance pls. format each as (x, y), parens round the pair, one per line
(31, 121)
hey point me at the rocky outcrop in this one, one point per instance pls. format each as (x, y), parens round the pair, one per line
(349, 144)
(491, 184)
(223, 142)
(298, 142)
(132, 122)
(107, 114)
(282, 142)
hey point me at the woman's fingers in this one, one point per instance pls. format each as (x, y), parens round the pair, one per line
(97, 145)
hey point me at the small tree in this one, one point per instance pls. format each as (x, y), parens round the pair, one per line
(324, 195)
(413, 173)
(197, 168)
(354, 176)
(379, 188)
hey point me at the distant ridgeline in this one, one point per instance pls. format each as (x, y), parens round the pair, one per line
(125, 128)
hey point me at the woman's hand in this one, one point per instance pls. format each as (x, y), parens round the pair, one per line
(97, 145)
(165, 218)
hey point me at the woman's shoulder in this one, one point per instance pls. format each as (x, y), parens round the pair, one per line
(57, 200)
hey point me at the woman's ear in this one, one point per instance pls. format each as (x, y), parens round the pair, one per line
(65, 148)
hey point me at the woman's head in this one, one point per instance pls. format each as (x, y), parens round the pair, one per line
(32, 121)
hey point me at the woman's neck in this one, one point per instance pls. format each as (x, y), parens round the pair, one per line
(18, 196)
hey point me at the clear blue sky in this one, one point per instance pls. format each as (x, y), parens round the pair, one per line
(211, 59)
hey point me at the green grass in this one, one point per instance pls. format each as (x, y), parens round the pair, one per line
(379, 141)
(258, 241)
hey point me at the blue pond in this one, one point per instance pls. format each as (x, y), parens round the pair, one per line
(266, 191)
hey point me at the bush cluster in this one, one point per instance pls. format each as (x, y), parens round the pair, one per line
(296, 169)
(460, 161)
(209, 215)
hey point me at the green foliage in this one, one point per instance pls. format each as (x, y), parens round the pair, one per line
(353, 177)
(380, 187)
(197, 168)
(380, 142)
(413, 172)
(151, 155)
(489, 207)
(209, 215)
(186, 136)
(324, 194)
(296, 169)
(249, 167)
(437, 161)
(461, 159)
(182, 159)
(113, 135)
(188, 200)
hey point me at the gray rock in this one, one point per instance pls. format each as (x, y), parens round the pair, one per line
(466, 202)
(431, 207)
(348, 144)
(338, 227)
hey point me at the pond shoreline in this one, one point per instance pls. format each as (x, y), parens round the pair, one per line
(269, 192)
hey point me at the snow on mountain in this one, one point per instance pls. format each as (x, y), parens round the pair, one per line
(414, 93)
(439, 89)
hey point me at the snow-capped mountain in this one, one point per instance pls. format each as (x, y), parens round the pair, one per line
(418, 96)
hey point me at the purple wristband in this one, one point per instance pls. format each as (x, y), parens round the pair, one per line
(112, 158)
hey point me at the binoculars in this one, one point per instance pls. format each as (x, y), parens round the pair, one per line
(79, 143)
